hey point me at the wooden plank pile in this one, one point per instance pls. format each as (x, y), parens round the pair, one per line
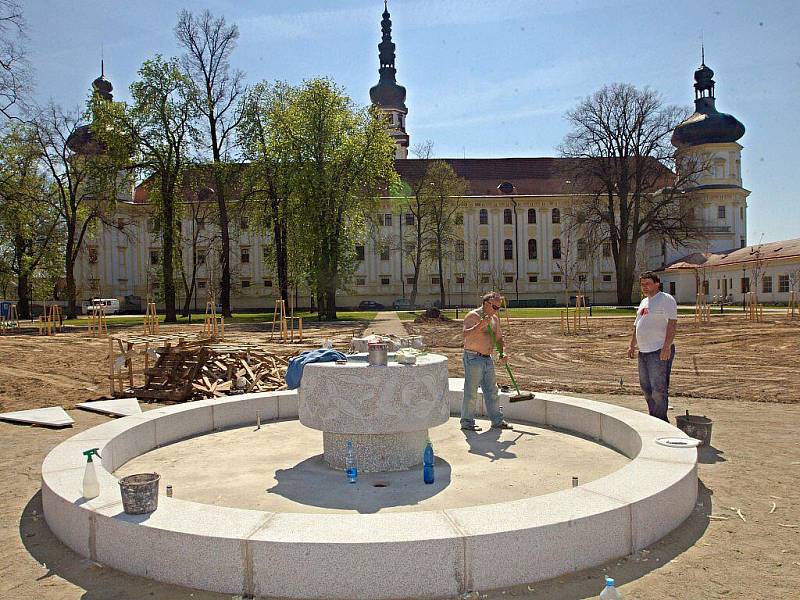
(212, 371)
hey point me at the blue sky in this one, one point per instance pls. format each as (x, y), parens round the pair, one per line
(484, 78)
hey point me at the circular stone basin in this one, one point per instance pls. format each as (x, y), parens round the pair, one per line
(279, 468)
(316, 554)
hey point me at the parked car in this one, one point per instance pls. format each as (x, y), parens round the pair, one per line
(370, 305)
(111, 305)
(402, 304)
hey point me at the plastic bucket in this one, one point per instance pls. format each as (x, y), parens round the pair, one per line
(139, 493)
(696, 427)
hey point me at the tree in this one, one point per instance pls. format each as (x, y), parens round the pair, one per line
(445, 192)
(29, 225)
(208, 43)
(199, 240)
(154, 133)
(634, 183)
(83, 186)
(14, 73)
(339, 157)
(267, 182)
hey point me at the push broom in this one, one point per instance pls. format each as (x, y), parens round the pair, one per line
(520, 396)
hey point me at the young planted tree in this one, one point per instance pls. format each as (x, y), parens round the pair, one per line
(623, 159)
(155, 132)
(445, 195)
(340, 157)
(30, 241)
(208, 43)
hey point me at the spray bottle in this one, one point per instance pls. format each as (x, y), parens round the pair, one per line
(91, 487)
(427, 463)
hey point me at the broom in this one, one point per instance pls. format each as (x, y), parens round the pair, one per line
(520, 396)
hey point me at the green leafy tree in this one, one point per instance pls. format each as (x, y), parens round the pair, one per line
(154, 134)
(339, 157)
(29, 226)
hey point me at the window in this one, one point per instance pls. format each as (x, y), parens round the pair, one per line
(93, 255)
(244, 254)
(484, 250)
(741, 213)
(201, 257)
(244, 224)
(123, 284)
(745, 285)
(245, 283)
(531, 216)
(361, 281)
(153, 257)
(359, 252)
(556, 248)
(201, 284)
(152, 224)
(435, 280)
(766, 284)
(556, 278)
(581, 249)
(387, 220)
(508, 250)
(556, 214)
(122, 256)
(410, 280)
(268, 283)
(742, 242)
(783, 284)
(409, 218)
(705, 287)
(533, 250)
(459, 250)
(721, 212)
(484, 217)
(385, 281)
(509, 279)
(460, 219)
(606, 249)
(582, 277)
(460, 279)
(533, 278)
(484, 279)
(201, 224)
(384, 251)
(607, 278)
(507, 217)
(671, 288)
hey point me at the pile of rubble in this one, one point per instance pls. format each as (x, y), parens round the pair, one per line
(432, 314)
(192, 372)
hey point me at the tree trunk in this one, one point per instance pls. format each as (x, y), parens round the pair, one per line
(225, 258)
(624, 276)
(281, 258)
(69, 273)
(23, 299)
(168, 249)
(441, 277)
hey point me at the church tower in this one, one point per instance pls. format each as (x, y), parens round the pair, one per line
(387, 95)
(712, 137)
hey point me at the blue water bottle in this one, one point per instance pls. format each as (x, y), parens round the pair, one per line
(427, 463)
(351, 468)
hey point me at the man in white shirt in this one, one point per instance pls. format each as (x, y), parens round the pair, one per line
(654, 333)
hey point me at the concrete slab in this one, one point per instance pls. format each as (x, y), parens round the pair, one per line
(120, 407)
(52, 416)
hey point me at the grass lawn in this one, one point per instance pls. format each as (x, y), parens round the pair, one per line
(261, 317)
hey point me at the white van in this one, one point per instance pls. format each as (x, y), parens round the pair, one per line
(111, 305)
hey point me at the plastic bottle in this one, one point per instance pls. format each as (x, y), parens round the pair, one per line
(427, 463)
(610, 592)
(351, 467)
(91, 487)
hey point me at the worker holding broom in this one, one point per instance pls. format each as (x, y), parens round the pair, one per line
(480, 326)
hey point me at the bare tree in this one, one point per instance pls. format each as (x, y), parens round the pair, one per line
(757, 265)
(634, 181)
(196, 241)
(208, 43)
(14, 68)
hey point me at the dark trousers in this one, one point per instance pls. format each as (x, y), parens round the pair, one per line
(654, 381)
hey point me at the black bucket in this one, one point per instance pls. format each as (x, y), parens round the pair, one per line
(139, 493)
(697, 427)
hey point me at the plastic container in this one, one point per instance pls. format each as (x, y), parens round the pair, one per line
(427, 463)
(351, 467)
(91, 486)
(139, 493)
(610, 592)
(378, 354)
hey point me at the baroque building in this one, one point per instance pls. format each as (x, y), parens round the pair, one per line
(515, 237)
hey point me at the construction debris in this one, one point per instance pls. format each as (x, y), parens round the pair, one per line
(190, 371)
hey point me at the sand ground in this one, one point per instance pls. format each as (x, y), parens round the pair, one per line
(745, 376)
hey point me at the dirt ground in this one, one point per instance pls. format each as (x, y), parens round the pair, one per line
(745, 376)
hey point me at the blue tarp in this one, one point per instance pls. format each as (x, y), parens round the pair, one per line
(295, 371)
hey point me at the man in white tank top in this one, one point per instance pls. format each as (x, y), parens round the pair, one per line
(654, 333)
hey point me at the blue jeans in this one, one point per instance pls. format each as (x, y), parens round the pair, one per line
(654, 381)
(479, 370)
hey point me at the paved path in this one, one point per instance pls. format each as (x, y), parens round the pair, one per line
(386, 323)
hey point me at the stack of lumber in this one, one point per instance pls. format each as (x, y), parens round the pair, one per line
(190, 371)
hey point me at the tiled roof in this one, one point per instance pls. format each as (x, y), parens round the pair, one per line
(765, 252)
